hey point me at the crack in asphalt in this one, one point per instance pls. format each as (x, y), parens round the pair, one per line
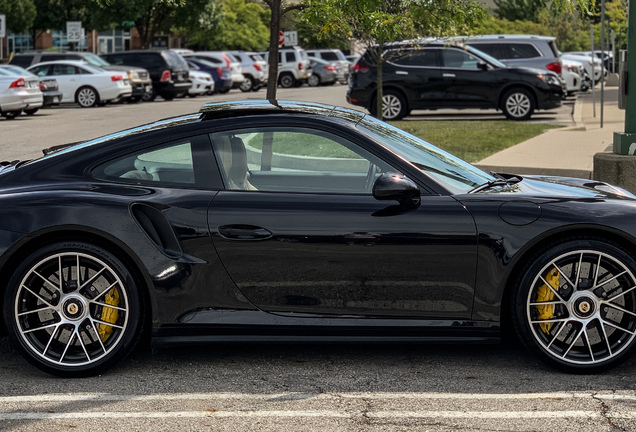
(605, 413)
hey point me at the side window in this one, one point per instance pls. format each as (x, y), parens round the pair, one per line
(421, 58)
(288, 159)
(63, 69)
(457, 59)
(492, 49)
(40, 70)
(290, 57)
(181, 163)
(520, 51)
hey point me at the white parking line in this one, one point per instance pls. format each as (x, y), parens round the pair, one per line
(316, 414)
(624, 395)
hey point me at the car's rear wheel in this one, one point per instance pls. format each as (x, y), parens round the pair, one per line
(287, 80)
(575, 306)
(73, 309)
(87, 97)
(32, 111)
(393, 106)
(247, 84)
(518, 104)
(313, 80)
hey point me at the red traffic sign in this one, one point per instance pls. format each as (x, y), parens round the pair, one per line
(281, 38)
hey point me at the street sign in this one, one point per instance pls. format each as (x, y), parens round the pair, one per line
(3, 26)
(74, 31)
(281, 38)
(291, 38)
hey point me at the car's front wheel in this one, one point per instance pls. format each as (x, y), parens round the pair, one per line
(575, 305)
(73, 309)
(87, 97)
(518, 104)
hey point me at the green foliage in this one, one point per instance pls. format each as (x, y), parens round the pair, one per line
(240, 26)
(519, 10)
(20, 14)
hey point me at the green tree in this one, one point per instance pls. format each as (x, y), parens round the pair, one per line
(519, 10)
(240, 26)
(375, 23)
(53, 15)
(20, 14)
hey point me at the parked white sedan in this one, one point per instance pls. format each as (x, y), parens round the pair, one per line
(18, 92)
(83, 83)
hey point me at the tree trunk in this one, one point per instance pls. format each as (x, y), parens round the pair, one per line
(379, 92)
(274, 29)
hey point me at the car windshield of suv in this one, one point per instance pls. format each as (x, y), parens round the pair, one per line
(95, 60)
(451, 172)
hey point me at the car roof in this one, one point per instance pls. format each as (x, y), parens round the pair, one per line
(69, 62)
(246, 107)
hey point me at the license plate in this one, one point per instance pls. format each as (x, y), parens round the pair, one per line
(56, 99)
(148, 89)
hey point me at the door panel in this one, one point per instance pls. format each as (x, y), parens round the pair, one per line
(347, 255)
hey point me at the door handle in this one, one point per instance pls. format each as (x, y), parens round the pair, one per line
(244, 232)
(448, 75)
(401, 73)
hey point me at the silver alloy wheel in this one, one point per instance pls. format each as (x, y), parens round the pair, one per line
(287, 81)
(391, 106)
(518, 104)
(313, 80)
(71, 309)
(247, 84)
(581, 307)
(86, 97)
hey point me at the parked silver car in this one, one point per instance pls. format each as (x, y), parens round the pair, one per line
(18, 92)
(255, 70)
(333, 55)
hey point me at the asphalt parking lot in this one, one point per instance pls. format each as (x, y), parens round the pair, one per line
(294, 387)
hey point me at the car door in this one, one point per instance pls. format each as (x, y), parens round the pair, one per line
(417, 71)
(68, 80)
(299, 231)
(468, 81)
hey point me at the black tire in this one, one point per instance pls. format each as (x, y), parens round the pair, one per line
(518, 104)
(32, 111)
(247, 84)
(149, 96)
(10, 115)
(168, 97)
(88, 322)
(287, 80)
(588, 322)
(87, 97)
(393, 106)
(313, 80)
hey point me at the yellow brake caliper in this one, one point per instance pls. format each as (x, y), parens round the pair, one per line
(109, 315)
(545, 294)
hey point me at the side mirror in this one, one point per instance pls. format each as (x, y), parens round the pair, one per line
(482, 65)
(394, 186)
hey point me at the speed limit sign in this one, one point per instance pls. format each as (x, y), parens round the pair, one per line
(74, 31)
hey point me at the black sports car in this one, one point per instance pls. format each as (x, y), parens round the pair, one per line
(301, 222)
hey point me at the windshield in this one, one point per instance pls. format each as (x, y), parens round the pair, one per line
(451, 172)
(95, 60)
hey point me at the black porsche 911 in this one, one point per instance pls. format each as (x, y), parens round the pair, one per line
(289, 221)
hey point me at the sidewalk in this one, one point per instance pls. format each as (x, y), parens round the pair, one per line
(569, 151)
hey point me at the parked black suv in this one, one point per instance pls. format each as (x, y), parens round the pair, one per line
(168, 70)
(433, 75)
(138, 77)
